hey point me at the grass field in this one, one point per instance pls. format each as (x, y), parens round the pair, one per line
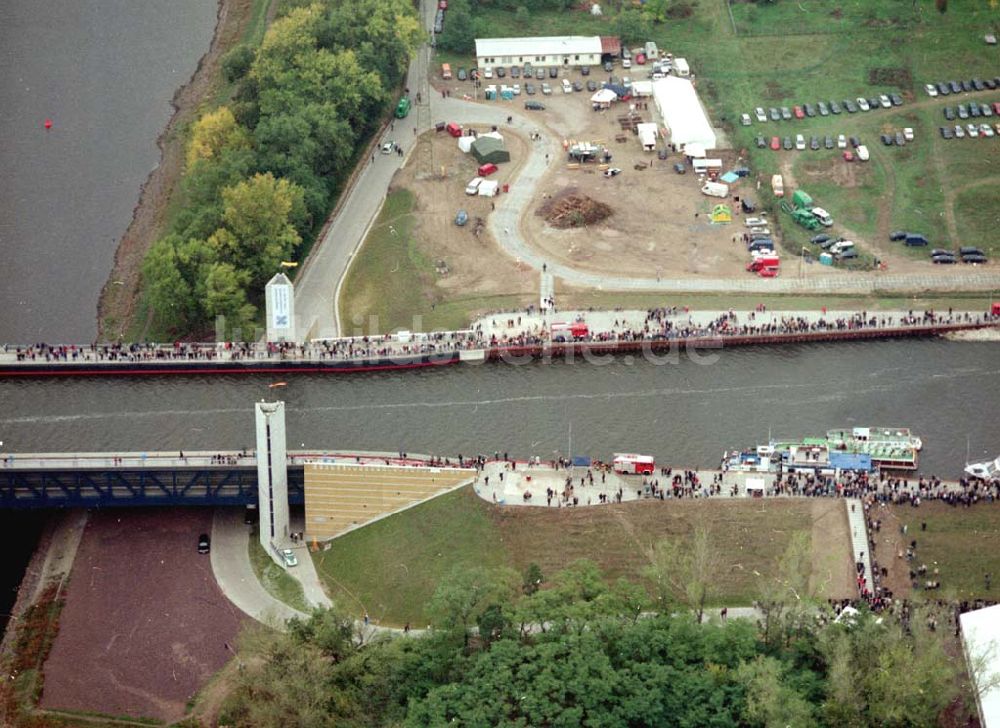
(274, 579)
(963, 543)
(391, 567)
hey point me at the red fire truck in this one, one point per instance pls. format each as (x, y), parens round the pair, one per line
(570, 332)
(630, 464)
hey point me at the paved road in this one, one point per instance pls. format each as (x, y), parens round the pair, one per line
(318, 285)
(233, 572)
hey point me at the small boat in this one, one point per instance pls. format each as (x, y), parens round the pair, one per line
(988, 471)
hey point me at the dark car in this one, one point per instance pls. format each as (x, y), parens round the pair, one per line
(774, 114)
(942, 251)
(761, 142)
(944, 259)
(847, 254)
(963, 111)
(824, 110)
(966, 85)
(978, 84)
(943, 89)
(462, 75)
(915, 239)
(886, 139)
(834, 107)
(949, 113)
(969, 250)
(947, 133)
(534, 105)
(679, 168)
(204, 544)
(515, 72)
(990, 83)
(819, 239)
(809, 109)
(855, 142)
(608, 66)
(874, 103)
(985, 110)
(591, 85)
(828, 142)
(974, 111)
(897, 235)
(787, 143)
(814, 143)
(577, 86)
(973, 258)
(539, 74)
(900, 139)
(955, 87)
(585, 70)
(896, 99)
(747, 204)
(850, 106)
(500, 71)
(553, 72)
(661, 153)
(529, 88)
(786, 113)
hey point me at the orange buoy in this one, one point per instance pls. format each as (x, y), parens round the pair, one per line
(48, 124)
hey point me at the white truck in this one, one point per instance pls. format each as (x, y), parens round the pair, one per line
(778, 185)
(652, 52)
(715, 189)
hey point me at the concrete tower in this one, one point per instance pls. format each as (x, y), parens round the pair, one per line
(272, 475)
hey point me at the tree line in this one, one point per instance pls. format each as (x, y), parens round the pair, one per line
(510, 650)
(262, 170)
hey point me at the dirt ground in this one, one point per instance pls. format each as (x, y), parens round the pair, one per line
(437, 173)
(145, 625)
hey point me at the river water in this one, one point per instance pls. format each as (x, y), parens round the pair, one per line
(686, 413)
(104, 72)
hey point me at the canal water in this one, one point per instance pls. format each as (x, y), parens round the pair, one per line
(686, 413)
(104, 72)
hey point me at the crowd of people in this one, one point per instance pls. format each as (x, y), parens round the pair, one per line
(513, 332)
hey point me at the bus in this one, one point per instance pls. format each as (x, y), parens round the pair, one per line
(403, 108)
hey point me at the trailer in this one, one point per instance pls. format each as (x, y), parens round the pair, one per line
(632, 464)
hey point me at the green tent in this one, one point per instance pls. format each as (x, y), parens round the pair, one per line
(490, 149)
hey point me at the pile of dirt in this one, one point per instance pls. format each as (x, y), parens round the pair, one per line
(571, 209)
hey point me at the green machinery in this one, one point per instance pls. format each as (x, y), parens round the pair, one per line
(802, 210)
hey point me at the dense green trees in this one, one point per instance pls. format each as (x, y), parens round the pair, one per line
(581, 652)
(263, 169)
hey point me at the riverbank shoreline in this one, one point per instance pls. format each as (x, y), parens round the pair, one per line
(118, 304)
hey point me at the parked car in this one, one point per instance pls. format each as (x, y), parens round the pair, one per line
(485, 170)
(974, 111)
(915, 239)
(886, 139)
(462, 75)
(819, 239)
(896, 235)
(488, 72)
(824, 110)
(959, 132)
(535, 105)
(946, 132)
(612, 172)
(972, 131)
(787, 143)
(896, 99)
(814, 143)
(863, 104)
(608, 67)
(775, 114)
(973, 258)
(809, 109)
(786, 113)
(931, 90)
(567, 87)
(841, 142)
(529, 89)
(500, 71)
(745, 119)
(985, 110)
(461, 217)
(908, 133)
(760, 141)
(873, 103)
(850, 107)
(944, 259)
(963, 111)
(591, 85)
(798, 112)
(828, 142)
(204, 544)
(515, 72)
(679, 168)
(553, 72)
(985, 130)
(949, 113)
(970, 250)
(848, 254)
(288, 556)
(862, 152)
(578, 86)
(900, 139)
(775, 143)
(546, 89)
(473, 187)
(855, 142)
(966, 85)
(539, 74)
(955, 87)
(759, 113)
(834, 107)
(943, 89)
(584, 70)
(752, 222)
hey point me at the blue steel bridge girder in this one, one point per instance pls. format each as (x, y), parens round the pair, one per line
(86, 488)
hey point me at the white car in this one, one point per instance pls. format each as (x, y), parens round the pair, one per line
(754, 221)
(745, 119)
(972, 130)
(908, 133)
(473, 187)
(823, 216)
(546, 89)
(567, 87)
(388, 147)
(840, 247)
(759, 113)
(516, 88)
(800, 142)
(862, 152)
(863, 104)
(626, 63)
(841, 142)
(959, 132)
(885, 101)
(986, 130)
(931, 89)
(488, 72)
(288, 556)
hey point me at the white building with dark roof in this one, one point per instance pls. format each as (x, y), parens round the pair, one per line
(560, 50)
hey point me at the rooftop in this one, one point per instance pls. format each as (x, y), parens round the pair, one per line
(538, 46)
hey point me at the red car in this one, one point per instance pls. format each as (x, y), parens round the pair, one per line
(848, 156)
(799, 113)
(775, 143)
(640, 58)
(768, 273)
(996, 108)
(485, 170)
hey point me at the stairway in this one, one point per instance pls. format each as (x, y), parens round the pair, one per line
(860, 550)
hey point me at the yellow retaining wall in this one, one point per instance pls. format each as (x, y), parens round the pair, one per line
(340, 498)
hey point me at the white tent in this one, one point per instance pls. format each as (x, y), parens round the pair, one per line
(647, 136)
(981, 641)
(682, 113)
(694, 150)
(755, 487)
(604, 97)
(465, 143)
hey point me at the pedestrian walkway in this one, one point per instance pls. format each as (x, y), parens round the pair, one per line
(859, 536)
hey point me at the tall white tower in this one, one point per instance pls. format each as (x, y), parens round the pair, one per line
(279, 303)
(272, 474)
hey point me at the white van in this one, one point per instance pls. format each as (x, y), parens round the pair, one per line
(473, 186)
(715, 189)
(652, 52)
(681, 68)
(567, 87)
(838, 248)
